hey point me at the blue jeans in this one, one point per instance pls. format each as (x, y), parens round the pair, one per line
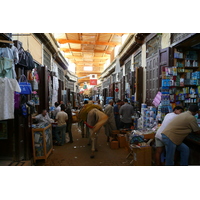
(170, 148)
(62, 130)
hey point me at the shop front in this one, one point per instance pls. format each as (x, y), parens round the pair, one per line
(180, 81)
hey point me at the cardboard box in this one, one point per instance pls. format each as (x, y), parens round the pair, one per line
(149, 136)
(142, 156)
(122, 140)
(114, 145)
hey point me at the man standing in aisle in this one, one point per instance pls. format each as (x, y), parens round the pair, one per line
(110, 124)
(69, 123)
(56, 110)
(116, 113)
(126, 111)
(176, 131)
(61, 118)
(160, 146)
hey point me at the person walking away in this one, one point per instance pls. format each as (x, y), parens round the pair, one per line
(61, 118)
(160, 146)
(116, 113)
(176, 131)
(69, 123)
(56, 110)
(110, 124)
(126, 111)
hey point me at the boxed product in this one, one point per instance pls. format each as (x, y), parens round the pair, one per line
(181, 81)
(114, 144)
(142, 156)
(122, 140)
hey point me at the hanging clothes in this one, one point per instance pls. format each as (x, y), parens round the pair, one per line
(12, 54)
(6, 67)
(55, 90)
(7, 88)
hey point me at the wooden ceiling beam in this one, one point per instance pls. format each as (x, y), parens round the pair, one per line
(85, 72)
(113, 44)
(80, 50)
(90, 62)
(119, 34)
(81, 57)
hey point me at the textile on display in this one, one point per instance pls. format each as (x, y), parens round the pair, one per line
(7, 89)
(12, 54)
(55, 90)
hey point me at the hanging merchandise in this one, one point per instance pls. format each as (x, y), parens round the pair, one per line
(23, 110)
(5, 67)
(35, 85)
(25, 60)
(31, 106)
(36, 99)
(55, 90)
(9, 57)
(7, 88)
(50, 90)
(17, 100)
(24, 85)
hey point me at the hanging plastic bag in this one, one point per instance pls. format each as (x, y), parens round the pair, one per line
(35, 85)
(24, 85)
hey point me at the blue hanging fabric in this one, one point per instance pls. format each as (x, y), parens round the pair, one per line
(24, 85)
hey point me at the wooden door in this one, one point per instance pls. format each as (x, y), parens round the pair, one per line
(153, 72)
(43, 88)
(139, 84)
(152, 78)
(165, 60)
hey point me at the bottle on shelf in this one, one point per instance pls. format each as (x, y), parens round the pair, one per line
(188, 63)
(185, 63)
(194, 64)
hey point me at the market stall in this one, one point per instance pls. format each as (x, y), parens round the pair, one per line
(42, 142)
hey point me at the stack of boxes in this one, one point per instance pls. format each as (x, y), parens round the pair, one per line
(148, 117)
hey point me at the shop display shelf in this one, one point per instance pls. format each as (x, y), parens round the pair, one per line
(42, 143)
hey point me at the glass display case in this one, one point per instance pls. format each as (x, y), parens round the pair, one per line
(42, 142)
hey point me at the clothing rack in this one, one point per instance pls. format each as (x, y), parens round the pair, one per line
(6, 41)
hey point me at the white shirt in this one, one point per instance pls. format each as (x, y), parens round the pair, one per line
(56, 110)
(168, 118)
(43, 119)
(7, 88)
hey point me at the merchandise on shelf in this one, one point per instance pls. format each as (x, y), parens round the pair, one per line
(148, 117)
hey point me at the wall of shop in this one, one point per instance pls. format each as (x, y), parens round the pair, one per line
(144, 70)
(32, 44)
(165, 40)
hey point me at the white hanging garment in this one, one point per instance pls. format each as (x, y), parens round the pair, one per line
(7, 88)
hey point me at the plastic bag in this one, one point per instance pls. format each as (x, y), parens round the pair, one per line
(67, 139)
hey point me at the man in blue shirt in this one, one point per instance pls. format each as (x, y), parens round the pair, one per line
(126, 111)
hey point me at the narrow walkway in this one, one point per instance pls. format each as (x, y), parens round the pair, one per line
(78, 153)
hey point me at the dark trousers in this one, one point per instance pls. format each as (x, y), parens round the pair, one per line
(117, 121)
(125, 125)
(69, 130)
